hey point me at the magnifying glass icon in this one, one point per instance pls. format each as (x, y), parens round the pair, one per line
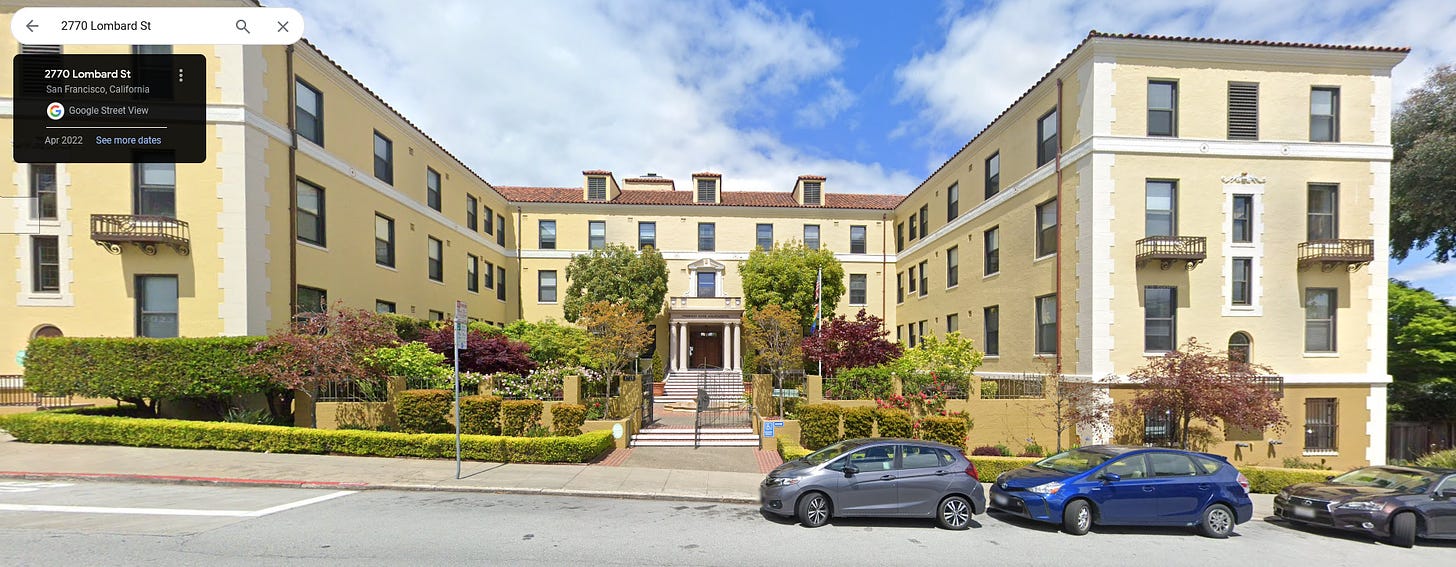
(243, 25)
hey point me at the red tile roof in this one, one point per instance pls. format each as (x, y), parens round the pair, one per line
(813, 177)
(707, 174)
(729, 198)
(596, 172)
(662, 180)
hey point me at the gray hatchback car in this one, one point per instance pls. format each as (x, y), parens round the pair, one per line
(904, 478)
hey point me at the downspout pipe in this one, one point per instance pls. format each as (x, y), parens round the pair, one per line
(1061, 228)
(884, 262)
(292, 188)
(520, 267)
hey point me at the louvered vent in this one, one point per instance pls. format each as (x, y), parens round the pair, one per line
(1243, 111)
(813, 194)
(596, 189)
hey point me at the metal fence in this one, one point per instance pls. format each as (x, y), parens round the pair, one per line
(13, 393)
(352, 392)
(1022, 387)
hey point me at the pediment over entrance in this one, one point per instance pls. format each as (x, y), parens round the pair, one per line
(706, 264)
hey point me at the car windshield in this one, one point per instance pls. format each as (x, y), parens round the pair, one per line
(1073, 462)
(1381, 477)
(830, 453)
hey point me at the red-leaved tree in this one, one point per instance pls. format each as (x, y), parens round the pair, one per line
(320, 349)
(483, 353)
(843, 344)
(1195, 382)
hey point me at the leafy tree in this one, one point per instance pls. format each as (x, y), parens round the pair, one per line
(413, 361)
(552, 343)
(843, 344)
(483, 353)
(1195, 382)
(1423, 175)
(321, 349)
(619, 335)
(785, 277)
(616, 274)
(776, 334)
(948, 361)
(1422, 354)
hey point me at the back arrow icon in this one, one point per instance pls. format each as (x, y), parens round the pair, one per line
(30, 26)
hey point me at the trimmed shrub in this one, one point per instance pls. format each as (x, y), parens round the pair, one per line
(480, 415)
(818, 425)
(482, 353)
(986, 451)
(858, 422)
(988, 468)
(415, 362)
(519, 416)
(143, 371)
(566, 419)
(409, 328)
(863, 383)
(1033, 449)
(1441, 459)
(789, 450)
(425, 411)
(58, 427)
(894, 422)
(944, 429)
(1269, 480)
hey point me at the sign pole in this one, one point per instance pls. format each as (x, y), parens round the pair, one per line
(460, 337)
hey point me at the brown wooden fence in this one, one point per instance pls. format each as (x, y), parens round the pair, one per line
(1408, 440)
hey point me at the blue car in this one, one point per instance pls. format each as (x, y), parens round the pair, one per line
(1127, 486)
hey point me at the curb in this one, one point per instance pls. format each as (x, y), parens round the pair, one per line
(216, 481)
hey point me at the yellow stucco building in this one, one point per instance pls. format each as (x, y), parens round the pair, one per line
(1146, 190)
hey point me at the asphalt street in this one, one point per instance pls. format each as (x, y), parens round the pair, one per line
(100, 523)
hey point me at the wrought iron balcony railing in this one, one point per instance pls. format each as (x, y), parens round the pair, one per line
(145, 231)
(1331, 253)
(1167, 250)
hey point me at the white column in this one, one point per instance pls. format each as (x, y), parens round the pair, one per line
(727, 351)
(738, 346)
(682, 346)
(672, 347)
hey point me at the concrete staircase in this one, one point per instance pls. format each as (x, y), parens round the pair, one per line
(683, 437)
(722, 386)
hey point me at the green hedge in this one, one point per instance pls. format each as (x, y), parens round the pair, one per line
(1440, 459)
(1269, 480)
(142, 370)
(480, 415)
(519, 416)
(858, 422)
(425, 411)
(818, 425)
(949, 430)
(894, 422)
(55, 427)
(988, 468)
(789, 450)
(567, 419)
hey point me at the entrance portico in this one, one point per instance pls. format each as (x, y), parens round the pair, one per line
(705, 333)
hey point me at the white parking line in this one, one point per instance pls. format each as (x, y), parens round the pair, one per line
(172, 511)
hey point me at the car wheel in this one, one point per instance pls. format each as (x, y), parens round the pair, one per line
(813, 510)
(1077, 517)
(954, 513)
(1218, 522)
(1403, 529)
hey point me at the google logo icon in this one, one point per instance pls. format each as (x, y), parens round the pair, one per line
(55, 110)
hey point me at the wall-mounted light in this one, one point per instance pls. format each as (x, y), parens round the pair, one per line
(1243, 444)
(1275, 442)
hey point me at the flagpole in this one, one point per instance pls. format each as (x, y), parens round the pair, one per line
(819, 312)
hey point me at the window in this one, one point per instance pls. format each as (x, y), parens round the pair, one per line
(1046, 324)
(706, 189)
(43, 190)
(1172, 464)
(992, 238)
(548, 234)
(500, 283)
(310, 213)
(899, 333)
(952, 323)
(646, 234)
(472, 208)
(1162, 108)
(383, 240)
(500, 231)
(382, 306)
(1046, 228)
(912, 279)
(436, 250)
(763, 236)
(707, 236)
(924, 220)
(432, 188)
(1243, 111)
(952, 202)
(1240, 348)
(489, 275)
(914, 228)
(156, 189)
(924, 278)
(952, 267)
(811, 236)
(1130, 467)
(384, 159)
(1161, 208)
(899, 237)
(1243, 228)
(1320, 424)
(1159, 318)
(596, 234)
(922, 330)
(596, 188)
(911, 328)
(487, 222)
(1046, 136)
(45, 264)
(472, 273)
(857, 287)
(308, 112)
(993, 175)
(707, 284)
(546, 289)
(900, 287)
(437, 315)
(857, 239)
(992, 324)
(1319, 319)
(1324, 114)
(311, 300)
(813, 193)
(1243, 275)
(1323, 219)
(156, 307)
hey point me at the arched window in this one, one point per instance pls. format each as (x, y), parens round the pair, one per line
(46, 331)
(1240, 347)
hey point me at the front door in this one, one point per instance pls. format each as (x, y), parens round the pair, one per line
(707, 349)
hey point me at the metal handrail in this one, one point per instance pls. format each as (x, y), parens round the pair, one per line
(1173, 247)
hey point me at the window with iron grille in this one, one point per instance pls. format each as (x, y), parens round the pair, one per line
(596, 188)
(596, 234)
(924, 278)
(432, 188)
(857, 289)
(993, 175)
(1162, 108)
(952, 202)
(436, 252)
(1324, 114)
(472, 273)
(857, 238)
(1243, 221)
(811, 236)
(707, 236)
(813, 193)
(763, 236)
(383, 240)
(1046, 228)
(310, 212)
(43, 190)
(1243, 111)
(308, 111)
(992, 327)
(1319, 319)
(646, 235)
(45, 264)
(952, 267)
(1046, 324)
(1243, 272)
(706, 190)
(1323, 212)
(1321, 424)
(156, 305)
(472, 209)
(383, 158)
(1046, 135)
(992, 238)
(1160, 308)
(547, 286)
(547, 230)
(1160, 428)
(1161, 208)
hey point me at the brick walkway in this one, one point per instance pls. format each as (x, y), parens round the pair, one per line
(614, 458)
(767, 460)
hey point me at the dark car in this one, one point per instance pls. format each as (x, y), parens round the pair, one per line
(1399, 503)
(885, 477)
(1130, 486)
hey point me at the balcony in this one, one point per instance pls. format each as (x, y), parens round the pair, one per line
(1329, 254)
(1167, 250)
(145, 231)
(705, 303)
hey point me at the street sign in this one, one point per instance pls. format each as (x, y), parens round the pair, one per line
(461, 319)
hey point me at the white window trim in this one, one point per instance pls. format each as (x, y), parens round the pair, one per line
(61, 227)
(1253, 250)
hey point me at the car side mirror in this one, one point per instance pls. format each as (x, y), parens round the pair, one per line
(1329, 478)
(850, 470)
(1110, 476)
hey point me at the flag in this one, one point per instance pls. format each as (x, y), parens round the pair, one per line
(818, 301)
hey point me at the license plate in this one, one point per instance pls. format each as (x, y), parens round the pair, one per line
(1001, 500)
(1303, 512)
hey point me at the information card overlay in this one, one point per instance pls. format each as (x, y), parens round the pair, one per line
(110, 108)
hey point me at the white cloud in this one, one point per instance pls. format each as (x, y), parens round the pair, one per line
(836, 99)
(533, 93)
(1422, 269)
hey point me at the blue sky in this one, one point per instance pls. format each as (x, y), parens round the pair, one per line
(873, 94)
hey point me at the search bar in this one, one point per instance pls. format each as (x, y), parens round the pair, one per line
(157, 26)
